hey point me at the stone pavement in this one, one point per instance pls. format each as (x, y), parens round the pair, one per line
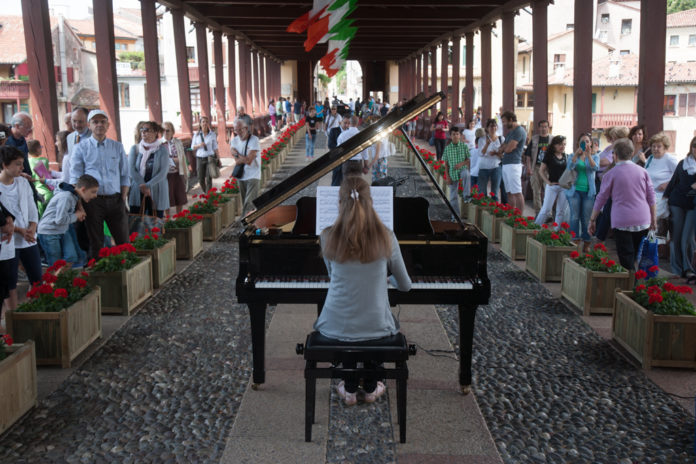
(172, 384)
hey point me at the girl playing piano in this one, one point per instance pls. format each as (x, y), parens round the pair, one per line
(358, 250)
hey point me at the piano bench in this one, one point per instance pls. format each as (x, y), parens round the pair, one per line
(319, 349)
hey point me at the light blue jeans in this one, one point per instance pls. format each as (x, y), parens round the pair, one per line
(309, 142)
(56, 246)
(494, 175)
(581, 204)
(682, 245)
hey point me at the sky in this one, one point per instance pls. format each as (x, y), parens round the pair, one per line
(75, 9)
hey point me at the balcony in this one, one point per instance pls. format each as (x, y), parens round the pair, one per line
(14, 90)
(602, 121)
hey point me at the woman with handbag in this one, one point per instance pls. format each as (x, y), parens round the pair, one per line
(633, 210)
(581, 194)
(660, 165)
(552, 167)
(204, 143)
(178, 169)
(680, 194)
(149, 166)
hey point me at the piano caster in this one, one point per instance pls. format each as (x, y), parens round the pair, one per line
(465, 389)
(255, 386)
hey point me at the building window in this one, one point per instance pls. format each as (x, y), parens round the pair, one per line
(625, 52)
(524, 65)
(530, 100)
(673, 40)
(570, 26)
(691, 107)
(123, 95)
(669, 106)
(603, 35)
(692, 40)
(626, 25)
(559, 61)
(605, 18)
(195, 99)
(190, 54)
(682, 104)
(520, 100)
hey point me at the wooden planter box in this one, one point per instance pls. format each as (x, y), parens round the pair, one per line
(59, 337)
(236, 203)
(228, 212)
(463, 210)
(653, 339)
(513, 242)
(546, 262)
(17, 383)
(490, 225)
(163, 262)
(123, 291)
(591, 291)
(189, 240)
(212, 225)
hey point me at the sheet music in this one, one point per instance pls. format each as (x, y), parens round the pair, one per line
(327, 206)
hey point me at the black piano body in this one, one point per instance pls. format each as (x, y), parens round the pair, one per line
(280, 262)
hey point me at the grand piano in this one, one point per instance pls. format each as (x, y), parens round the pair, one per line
(279, 259)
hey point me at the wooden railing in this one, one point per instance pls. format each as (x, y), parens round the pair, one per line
(14, 89)
(602, 121)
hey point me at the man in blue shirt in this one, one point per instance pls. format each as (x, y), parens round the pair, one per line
(511, 154)
(105, 160)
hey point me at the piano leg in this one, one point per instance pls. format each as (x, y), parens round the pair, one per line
(257, 315)
(467, 317)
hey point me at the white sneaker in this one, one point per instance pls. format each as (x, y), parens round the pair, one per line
(349, 399)
(379, 391)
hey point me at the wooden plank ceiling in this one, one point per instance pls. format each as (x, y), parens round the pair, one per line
(387, 29)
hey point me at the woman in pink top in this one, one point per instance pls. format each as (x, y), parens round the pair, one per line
(633, 203)
(440, 128)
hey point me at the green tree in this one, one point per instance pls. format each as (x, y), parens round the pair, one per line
(674, 6)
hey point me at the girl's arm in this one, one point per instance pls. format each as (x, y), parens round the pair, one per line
(399, 277)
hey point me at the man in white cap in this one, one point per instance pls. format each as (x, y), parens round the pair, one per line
(105, 160)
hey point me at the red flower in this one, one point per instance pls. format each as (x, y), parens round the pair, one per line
(104, 252)
(60, 293)
(611, 263)
(544, 226)
(684, 289)
(59, 264)
(574, 254)
(555, 236)
(654, 268)
(524, 223)
(91, 262)
(669, 286)
(641, 274)
(44, 289)
(84, 274)
(492, 194)
(555, 224)
(133, 236)
(155, 236)
(157, 229)
(531, 218)
(600, 246)
(123, 261)
(565, 225)
(655, 298)
(572, 234)
(7, 338)
(654, 289)
(147, 237)
(640, 288)
(49, 278)
(79, 283)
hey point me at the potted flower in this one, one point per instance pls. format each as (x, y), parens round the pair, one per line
(231, 189)
(492, 220)
(656, 323)
(546, 250)
(513, 235)
(187, 230)
(590, 279)
(212, 217)
(161, 250)
(226, 205)
(18, 380)
(124, 277)
(478, 203)
(62, 316)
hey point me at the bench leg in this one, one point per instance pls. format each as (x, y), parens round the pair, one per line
(310, 400)
(401, 408)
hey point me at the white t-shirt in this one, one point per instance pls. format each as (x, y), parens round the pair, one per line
(661, 170)
(10, 200)
(488, 160)
(475, 155)
(332, 120)
(470, 138)
(210, 143)
(345, 135)
(253, 170)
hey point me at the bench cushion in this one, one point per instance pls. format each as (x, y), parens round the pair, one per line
(386, 349)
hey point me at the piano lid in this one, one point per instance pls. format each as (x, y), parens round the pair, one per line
(351, 147)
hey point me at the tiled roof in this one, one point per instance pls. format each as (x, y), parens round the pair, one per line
(682, 18)
(122, 28)
(529, 46)
(680, 73)
(12, 49)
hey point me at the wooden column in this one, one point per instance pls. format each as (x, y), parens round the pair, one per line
(486, 81)
(433, 76)
(469, 89)
(444, 60)
(424, 73)
(42, 85)
(267, 92)
(152, 76)
(182, 72)
(419, 74)
(231, 77)
(455, 96)
(255, 102)
(245, 77)
(105, 47)
(414, 76)
(651, 80)
(203, 78)
(540, 60)
(220, 95)
(582, 71)
(509, 58)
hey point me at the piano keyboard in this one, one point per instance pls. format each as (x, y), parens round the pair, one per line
(321, 282)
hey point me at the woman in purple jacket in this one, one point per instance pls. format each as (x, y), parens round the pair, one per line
(633, 203)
